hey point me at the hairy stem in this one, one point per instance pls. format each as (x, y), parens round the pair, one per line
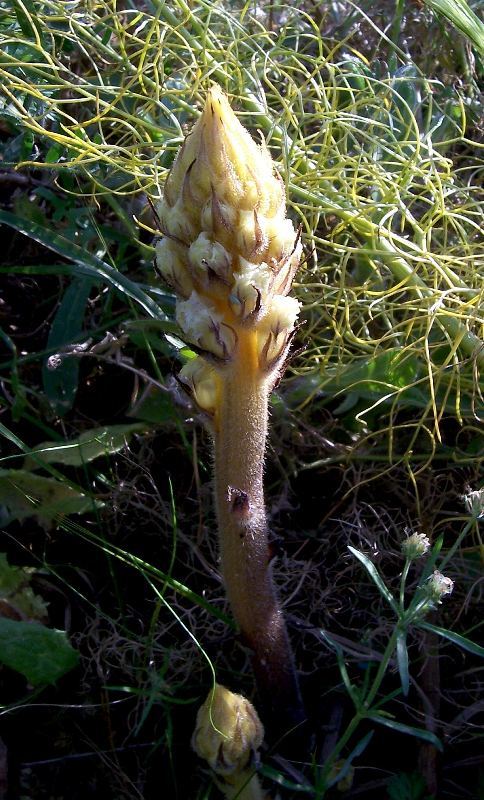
(240, 439)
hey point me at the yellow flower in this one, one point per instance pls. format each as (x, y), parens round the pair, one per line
(201, 381)
(228, 731)
(228, 244)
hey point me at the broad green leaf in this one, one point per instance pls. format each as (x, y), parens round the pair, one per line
(376, 577)
(391, 369)
(448, 118)
(419, 733)
(383, 375)
(84, 448)
(351, 79)
(42, 654)
(392, 376)
(11, 578)
(24, 494)
(456, 638)
(405, 103)
(53, 154)
(157, 407)
(150, 333)
(60, 385)
(15, 590)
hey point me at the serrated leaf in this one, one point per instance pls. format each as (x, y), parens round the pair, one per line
(376, 578)
(41, 654)
(84, 448)
(25, 494)
(456, 638)
(60, 385)
(418, 733)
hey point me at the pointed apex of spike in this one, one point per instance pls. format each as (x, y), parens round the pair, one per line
(219, 155)
(230, 245)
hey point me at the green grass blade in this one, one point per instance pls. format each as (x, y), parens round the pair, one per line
(456, 638)
(359, 748)
(376, 578)
(400, 727)
(87, 263)
(402, 660)
(462, 16)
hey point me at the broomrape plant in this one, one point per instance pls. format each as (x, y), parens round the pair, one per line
(392, 296)
(230, 254)
(228, 734)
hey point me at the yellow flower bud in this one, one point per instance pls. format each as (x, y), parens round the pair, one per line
(251, 289)
(171, 262)
(204, 326)
(210, 259)
(228, 731)
(219, 154)
(275, 329)
(227, 240)
(202, 383)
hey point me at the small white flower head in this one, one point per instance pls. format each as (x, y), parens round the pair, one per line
(415, 545)
(204, 326)
(474, 502)
(439, 586)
